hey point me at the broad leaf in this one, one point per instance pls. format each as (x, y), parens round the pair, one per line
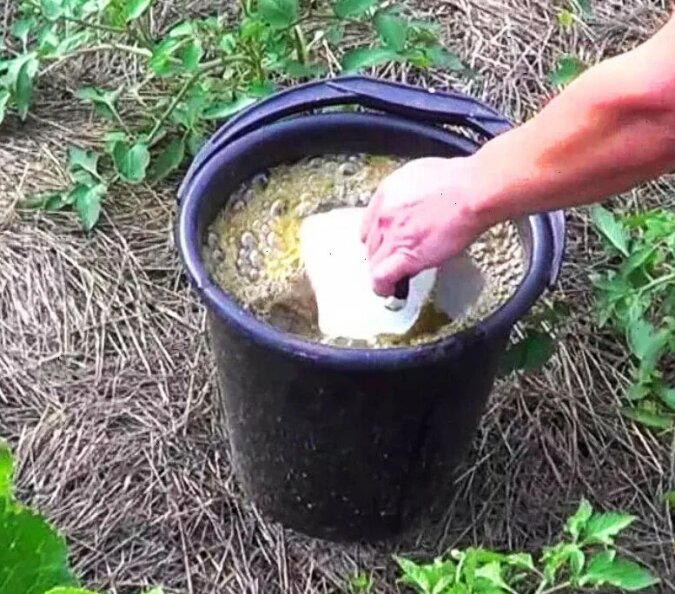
(648, 417)
(668, 397)
(602, 528)
(104, 101)
(22, 28)
(279, 13)
(345, 9)
(23, 89)
(520, 560)
(82, 159)
(611, 228)
(492, 572)
(605, 569)
(226, 110)
(567, 69)
(669, 498)
(72, 42)
(528, 354)
(33, 557)
(645, 343)
(392, 29)
(576, 523)
(170, 158)
(368, 57)
(4, 98)
(135, 8)
(52, 9)
(131, 161)
(87, 204)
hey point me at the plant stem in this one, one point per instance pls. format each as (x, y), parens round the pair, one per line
(178, 98)
(658, 281)
(557, 588)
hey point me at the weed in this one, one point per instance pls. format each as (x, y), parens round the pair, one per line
(199, 72)
(636, 297)
(584, 559)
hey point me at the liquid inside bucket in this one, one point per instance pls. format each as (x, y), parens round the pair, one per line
(252, 249)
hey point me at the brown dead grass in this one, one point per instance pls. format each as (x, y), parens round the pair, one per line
(107, 387)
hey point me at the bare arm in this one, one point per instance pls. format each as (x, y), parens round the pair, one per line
(611, 129)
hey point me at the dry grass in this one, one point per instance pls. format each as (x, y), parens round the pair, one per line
(107, 387)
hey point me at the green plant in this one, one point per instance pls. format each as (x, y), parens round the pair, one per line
(636, 297)
(535, 345)
(360, 583)
(199, 72)
(568, 68)
(584, 559)
(33, 556)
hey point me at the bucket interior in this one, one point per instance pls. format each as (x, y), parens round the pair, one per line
(320, 134)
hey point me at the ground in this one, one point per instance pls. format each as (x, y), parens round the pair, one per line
(107, 385)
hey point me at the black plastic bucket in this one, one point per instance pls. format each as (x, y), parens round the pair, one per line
(349, 444)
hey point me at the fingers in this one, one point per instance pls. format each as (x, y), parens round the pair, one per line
(391, 269)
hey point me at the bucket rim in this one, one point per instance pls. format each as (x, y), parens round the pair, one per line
(229, 311)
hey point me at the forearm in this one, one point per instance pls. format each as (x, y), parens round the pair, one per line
(611, 129)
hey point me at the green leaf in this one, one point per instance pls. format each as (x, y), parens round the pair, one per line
(22, 28)
(645, 343)
(4, 99)
(170, 158)
(52, 9)
(23, 90)
(520, 560)
(528, 354)
(492, 572)
(638, 391)
(557, 556)
(392, 29)
(566, 18)
(226, 110)
(83, 159)
(602, 528)
(131, 161)
(68, 44)
(105, 102)
(577, 522)
(667, 395)
(279, 13)
(567, 69)
(604, 569)
(135, 8)
(445, 59)
(648, 418)
(87, 204)
(6, 471)
(669, 498)
(611, 228)
(33, 557)
(345, 9)
(368, 57)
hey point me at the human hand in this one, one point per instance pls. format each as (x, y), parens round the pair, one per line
(421, 215)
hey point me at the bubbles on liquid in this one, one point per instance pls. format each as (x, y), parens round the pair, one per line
(252, 248)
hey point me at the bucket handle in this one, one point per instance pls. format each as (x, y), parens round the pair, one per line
(429, 105)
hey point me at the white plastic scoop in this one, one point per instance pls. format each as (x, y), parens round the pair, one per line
(337, 266)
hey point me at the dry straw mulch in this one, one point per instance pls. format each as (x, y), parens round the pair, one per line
(107, 387)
